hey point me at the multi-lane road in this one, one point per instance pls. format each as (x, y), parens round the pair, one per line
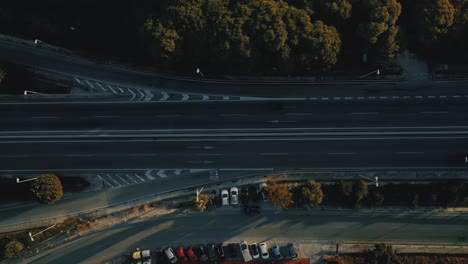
(273, 135)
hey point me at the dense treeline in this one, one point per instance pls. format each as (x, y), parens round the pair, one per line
(242, 36)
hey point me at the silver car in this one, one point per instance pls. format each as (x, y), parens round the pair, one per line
(234, 195)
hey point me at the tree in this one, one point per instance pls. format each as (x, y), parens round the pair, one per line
(381, 254)
(345, 191)
(376, 198)
(360, 191)
(13, 248)
(47, 188)
(312, 193)
(202, 203)
(2, 75)
(279, 194)
(437, 17)
(330, 10)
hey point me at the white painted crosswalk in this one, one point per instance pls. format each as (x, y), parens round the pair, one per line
(117, 180)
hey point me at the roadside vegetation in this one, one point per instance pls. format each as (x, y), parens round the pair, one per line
(363, 194)
(47, 188)
(267, 37)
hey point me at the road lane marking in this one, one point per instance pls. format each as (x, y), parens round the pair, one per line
(341, 153)
(205, 97)
(298, 113)
(209, 154)
(337, 98)
(168, 115)
(44, 117)
(79, 155)
(106, 116)
(360, 98)
(233, 114)
(164, 97)
(78, 80)
(365, 113)
(434, 112)
(274, 153)
(89, 83)
(409, 152)
(140, 154)
(348, 98)
(14, 156)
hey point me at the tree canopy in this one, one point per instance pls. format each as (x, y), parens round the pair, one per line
(312, 193)
(279, 194)
(13, 248)
(47, 188)
(437, 17)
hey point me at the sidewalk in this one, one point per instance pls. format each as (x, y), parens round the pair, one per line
(101, 202)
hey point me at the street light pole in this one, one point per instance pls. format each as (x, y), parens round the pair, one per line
(198, 193)
(32, 92)
(18, 180)
(199, 72)
(376, 71)
(376, 179)
(31, 236)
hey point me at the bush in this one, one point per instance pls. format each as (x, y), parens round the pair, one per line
(202, 203)
(381, 254)
(360, 191)
(13, 248)
(47, 188)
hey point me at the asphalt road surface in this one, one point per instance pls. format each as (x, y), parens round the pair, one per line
(45, 58)
(278, 135)
(229, 224)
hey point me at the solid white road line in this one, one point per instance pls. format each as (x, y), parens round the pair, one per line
(409, 152)
(341, 153)
(233, 114)
(78, 80)
(299, 114)
(79, 155)
(168, 115)
(273, 153)
(209, 154)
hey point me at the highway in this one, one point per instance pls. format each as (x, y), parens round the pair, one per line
(57, 63)
(229, 224)
(235, 135)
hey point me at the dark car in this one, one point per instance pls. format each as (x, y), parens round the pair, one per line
(212, 252)
(244, 196)
(232, 249)
(220, 251)
(160, 257)
(253, 209)
(201, 253)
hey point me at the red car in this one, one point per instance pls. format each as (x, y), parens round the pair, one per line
(191, 255)
(181, 255)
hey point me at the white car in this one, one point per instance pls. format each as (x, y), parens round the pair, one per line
(225, 197)
(263, 248)
(170, 255)
(261, 190)
(234, 195)
(244, 248)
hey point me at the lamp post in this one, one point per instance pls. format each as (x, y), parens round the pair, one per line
(32, 92)
(198, 193)
(18, 180)
(376, 179)
(199, 72)
(31, 236)
(376, 71)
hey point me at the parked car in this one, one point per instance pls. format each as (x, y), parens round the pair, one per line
(142, 256)
(225, 197)
(160, 257)
(244, 196)
(212, 252)
(276, 252)
(181, 255)
(191, 254)
(292, 251)
(201, 253)
(244, 248)
(262, 191)
(263, 248)
(233, 250)
(253, 209)
(254, 250)
(234, 195)
(170, 255)
(220, 251)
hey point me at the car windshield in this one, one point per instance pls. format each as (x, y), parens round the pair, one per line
(225, 195)
(233, 193)
(243, 246)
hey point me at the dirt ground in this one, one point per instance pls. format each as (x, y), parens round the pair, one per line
(261, 261)
(405, 259)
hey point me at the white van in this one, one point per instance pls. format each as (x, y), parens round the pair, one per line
(244, 248)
